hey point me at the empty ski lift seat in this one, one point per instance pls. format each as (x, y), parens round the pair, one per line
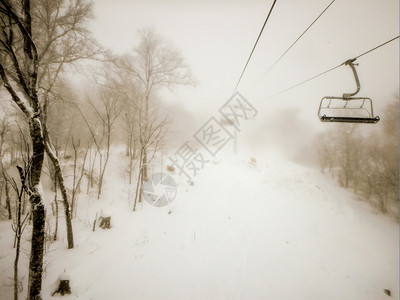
(348, 109)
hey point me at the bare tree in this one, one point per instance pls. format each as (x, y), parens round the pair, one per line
(131, 98)
(30, 52)
(78, 173)
(157, 132)
(106, 112)
(381, 162)
(19, 73)
(131, 139)
(339, 151)
(19, 223)
(368, 163)
(155, 64)
(55, 209)
(139, 146)
(326, 151)
(111, 106)
(7, 193)
(4, 141)
(62, 40)
(52, 154)
(4, 130)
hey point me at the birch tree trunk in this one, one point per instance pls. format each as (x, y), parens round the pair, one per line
(38, 212)
(61, 185)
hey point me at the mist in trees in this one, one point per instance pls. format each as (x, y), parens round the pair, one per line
(154, 64)
(37, 39)
(57, 138)
(53, 124)
(368, 163)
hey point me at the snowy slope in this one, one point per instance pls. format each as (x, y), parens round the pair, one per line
(273, 230)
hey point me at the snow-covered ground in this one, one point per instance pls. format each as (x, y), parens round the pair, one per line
(273, 230)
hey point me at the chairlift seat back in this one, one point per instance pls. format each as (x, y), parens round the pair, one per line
(347, 110)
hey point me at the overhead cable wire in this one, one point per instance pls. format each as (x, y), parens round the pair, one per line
(373, 49)
(331, 69)
(291, 46)
(307, 80)
(255, 44)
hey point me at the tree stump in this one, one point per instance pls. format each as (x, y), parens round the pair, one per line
(171, 169)
(105, 222)
(63, 286)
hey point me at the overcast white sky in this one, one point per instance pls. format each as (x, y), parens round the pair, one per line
(216, 38)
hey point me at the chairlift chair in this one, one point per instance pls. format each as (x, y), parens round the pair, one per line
(348, 109)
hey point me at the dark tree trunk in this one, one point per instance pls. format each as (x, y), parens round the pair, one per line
(61, 185)
(145, 174)
(56, 207)
(74, 185)
(37, 246)
(8, 201)
(52, 155)
(17, 251)
(139, 181)
(26, 79)
(67, 211)
(52, 173)
(24, 204)
(19, 226)
(104, 166)
(38, 211)
(63, 288)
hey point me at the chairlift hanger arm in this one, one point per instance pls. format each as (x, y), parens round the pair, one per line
(352, 65)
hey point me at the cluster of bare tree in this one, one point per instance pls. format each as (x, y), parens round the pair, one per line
(367, 163)
(47, 124)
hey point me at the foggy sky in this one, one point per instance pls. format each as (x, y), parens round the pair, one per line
(216, 38)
